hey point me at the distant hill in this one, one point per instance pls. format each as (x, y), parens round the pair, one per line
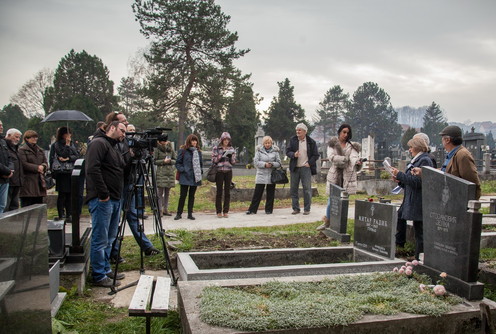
(414, 117)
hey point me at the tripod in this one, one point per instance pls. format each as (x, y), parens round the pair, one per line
(142, 176)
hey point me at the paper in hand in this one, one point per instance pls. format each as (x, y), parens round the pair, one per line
(396, 190)
(387, 167)
(227, 152)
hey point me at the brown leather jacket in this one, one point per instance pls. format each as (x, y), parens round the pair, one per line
(463, 165)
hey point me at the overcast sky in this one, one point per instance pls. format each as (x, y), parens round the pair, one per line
(417, 51)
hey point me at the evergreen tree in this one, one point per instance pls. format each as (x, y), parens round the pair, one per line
(283, 114)
(12, 116)
(409, 133)
(242, 118)
(190, 39)
(434, 122)
(81, 82)
(371, 113)
(331, 111)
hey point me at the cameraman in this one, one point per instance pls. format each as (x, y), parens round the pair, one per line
(131, 212)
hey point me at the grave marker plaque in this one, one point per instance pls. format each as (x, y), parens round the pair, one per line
(375, 226)
(338, 214)
(451, 233)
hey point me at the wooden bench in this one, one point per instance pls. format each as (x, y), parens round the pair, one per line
(151, 298)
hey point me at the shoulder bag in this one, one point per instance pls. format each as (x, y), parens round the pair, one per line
(278, 176)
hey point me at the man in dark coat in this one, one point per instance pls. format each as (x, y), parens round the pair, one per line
(5, 170)
(104, 183)
(303, 153)
(15, 182)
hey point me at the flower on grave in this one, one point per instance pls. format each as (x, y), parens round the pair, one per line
(408, 264)
(370, 199)
(415, 263)
(395, 269)
(403, 267)
(408, 272)
(443, 275)
(401, 271)
(409, 268)
(439, 290)
(422, 287)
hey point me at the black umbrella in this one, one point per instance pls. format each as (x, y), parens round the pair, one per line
(66, 115)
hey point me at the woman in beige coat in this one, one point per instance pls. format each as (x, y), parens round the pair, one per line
(343, 155)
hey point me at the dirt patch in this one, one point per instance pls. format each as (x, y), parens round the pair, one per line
(206, 241)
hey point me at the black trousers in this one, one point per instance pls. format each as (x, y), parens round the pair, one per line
(13, 198)
(418, 228)
(186, 191)
(257, 197)
(64, 202)
(27, 201)
(223, 184)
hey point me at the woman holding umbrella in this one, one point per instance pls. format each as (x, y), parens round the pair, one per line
(64, 151)
(34, 164)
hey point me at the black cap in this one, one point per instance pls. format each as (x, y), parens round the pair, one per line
(453, 131)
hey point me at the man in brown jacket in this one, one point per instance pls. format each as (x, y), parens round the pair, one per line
(459, 160)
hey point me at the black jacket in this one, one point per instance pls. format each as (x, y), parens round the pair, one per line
(312, 152)
(16, 179)
(104, 169)
(5, 164)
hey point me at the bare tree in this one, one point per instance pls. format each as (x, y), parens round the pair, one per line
(31, 95)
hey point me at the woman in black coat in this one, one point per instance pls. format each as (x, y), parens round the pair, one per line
(411, 208)
(66, 152)
(189, 165)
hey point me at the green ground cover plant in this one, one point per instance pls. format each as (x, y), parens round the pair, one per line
(278, 305)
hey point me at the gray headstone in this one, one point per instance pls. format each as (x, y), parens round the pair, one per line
(451, 233)
(24, 280)
(375, 226)
(339, 209)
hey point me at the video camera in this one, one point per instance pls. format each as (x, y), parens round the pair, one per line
(145, 140)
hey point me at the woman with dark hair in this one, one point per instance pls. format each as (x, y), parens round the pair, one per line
(224, 156)
(165, 159)
(343, 155)
(189, 165)
(34, 165)
(63, 150)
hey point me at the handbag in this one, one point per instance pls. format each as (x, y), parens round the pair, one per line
(63, 167)
(278, 176)
(49, 180)
(212, 173)
(177, 175)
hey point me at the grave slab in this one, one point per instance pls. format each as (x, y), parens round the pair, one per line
(375, 227)
(452, 231)
(338, 218)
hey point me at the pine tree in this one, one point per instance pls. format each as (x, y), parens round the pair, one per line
(490, 140)
(434, 122)
(190, 44)
(409, 133)
(283, 114)
(371, 113)
(242, 118)
(331, 110)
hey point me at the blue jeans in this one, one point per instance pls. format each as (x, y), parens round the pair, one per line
(104, 223)
(303, 174)
(133, 220)
(4, 193)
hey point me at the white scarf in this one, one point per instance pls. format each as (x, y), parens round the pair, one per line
(196, 165)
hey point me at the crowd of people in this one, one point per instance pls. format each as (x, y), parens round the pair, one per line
(111, 178)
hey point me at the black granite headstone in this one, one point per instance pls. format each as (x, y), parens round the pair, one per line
(451, 233)
(375, 226)
(338, 214)
(24, 280)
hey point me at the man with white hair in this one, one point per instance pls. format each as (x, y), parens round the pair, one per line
(303, 153)
(12, 138)
(5, 170)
